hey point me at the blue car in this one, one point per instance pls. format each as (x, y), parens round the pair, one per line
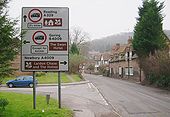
(21, 81)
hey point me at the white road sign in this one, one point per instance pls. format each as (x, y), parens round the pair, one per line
(45, 39)
(45, 18)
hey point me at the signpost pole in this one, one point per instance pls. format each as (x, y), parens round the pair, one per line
(34, 91)
(128, 65)
(59, 90)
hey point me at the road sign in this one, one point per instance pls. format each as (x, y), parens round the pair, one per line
(45, 39)
(45, 18)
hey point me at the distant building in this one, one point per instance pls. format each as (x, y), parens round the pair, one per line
(123, 62)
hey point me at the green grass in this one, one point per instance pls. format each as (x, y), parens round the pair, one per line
(51, 78)
(76, 77)
(20, 105)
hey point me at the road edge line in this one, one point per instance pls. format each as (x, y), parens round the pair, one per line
(103, 97)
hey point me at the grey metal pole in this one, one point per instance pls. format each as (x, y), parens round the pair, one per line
(59, 90)
(128, 65)
(34, 91)
(140, 77)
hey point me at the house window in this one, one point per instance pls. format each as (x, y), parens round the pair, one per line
(120, 70)
(130, 71)
(105, 62)
(98, 62)
(128, 55)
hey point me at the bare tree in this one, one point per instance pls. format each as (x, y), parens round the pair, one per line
(81, 39)
(78, 36)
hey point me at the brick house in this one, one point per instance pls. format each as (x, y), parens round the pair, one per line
(124, 61)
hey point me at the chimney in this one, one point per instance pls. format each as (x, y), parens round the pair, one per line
(117, 46)
(130, 40)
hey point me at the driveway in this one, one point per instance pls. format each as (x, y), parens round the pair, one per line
(132, 99)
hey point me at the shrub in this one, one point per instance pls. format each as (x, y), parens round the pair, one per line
(103, 70)
(91, 67)
(156, 69)
(151, 78)
(163, 82)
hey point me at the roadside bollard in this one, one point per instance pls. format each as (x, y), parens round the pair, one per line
(48, 98)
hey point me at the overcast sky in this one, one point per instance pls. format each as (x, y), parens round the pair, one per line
(99, 18)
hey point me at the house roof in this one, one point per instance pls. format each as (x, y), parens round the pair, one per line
(97, 57)
(119, 49)
(106, 55)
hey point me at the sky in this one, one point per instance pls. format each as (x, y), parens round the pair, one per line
(99, 18)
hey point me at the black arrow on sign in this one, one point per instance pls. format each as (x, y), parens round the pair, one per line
(25, 42)
(63, 62)
(25, 18)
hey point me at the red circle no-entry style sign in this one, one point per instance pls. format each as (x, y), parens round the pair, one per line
(39, 37)
(35, 15)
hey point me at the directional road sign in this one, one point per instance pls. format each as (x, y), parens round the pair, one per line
(45, 39)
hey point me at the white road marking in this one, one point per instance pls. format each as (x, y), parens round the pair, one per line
(105, 102)
(92, 86)
(89, 85)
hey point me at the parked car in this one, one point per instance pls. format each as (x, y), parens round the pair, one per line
(21, 81)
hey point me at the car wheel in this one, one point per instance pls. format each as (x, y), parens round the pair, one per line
(30, 85)
(10, 85)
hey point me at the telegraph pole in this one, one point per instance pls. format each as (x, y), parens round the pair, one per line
(128, 54)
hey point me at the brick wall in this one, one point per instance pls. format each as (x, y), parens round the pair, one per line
(115, 70)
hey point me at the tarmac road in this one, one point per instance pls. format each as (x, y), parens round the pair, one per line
(83, 98)
(132, 99)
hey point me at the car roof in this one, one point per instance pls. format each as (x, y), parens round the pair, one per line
(24, 76)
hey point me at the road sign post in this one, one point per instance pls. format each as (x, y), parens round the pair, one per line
(34, 91)
(45, 41)
(59, 90)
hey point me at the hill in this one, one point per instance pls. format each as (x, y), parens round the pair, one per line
(106, 43)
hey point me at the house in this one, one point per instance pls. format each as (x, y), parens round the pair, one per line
(123, 62)
(97, 62)
(101, 59)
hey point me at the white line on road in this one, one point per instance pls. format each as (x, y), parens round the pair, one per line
(103, 98)
(92, 86)
(89, 85)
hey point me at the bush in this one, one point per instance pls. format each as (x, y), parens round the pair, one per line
(91, 67)
(163, 82)
(74, 62)
(151, 79)
(103, 70)
(156, 69)
(3, 103)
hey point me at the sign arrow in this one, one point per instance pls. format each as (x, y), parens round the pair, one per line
(25, 42)
(25, 18)
(63, 62)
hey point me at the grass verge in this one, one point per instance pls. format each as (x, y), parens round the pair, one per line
(21, 105)
(51, 78)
